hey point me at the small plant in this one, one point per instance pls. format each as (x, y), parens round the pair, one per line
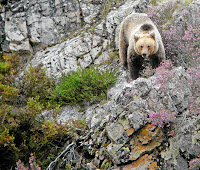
(194, 164)
(4, 67)
(7, 93)
(9, 66)
(32, 162)
(164, 73)
(88, 84)
(36, 83)
(161, 118)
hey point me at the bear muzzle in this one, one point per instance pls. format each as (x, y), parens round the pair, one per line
(144, 55)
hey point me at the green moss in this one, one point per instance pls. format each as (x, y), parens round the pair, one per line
(68, 166)
(99, 53)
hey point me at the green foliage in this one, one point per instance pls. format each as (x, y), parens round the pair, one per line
(4, 67)
(8, 93)
(68, 166)
(89, 84)
(187, 2)
(5, 138)
(36, 83)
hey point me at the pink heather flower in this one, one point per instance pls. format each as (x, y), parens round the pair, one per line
(164, 73)
(161, 118)
(33, 165)
(194, 164)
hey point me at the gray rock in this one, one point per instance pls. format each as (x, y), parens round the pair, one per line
(119, 153)
(185, 143)
(67, 114)
(117, 133)
(91, 10)
(1, 32)
(40, 21)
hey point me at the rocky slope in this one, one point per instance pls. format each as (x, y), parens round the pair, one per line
(64, 35)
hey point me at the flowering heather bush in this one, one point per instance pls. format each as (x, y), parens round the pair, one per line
(181, 40)
(32, 162)
(194, 164)
(164, 73)
(162, 118)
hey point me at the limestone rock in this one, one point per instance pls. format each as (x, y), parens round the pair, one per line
(117, 133)
(67, 114)
(119, 153)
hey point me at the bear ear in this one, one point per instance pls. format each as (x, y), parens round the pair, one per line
(153, 35)
(136, 37)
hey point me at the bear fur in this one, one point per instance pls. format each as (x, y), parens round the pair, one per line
(139, 41)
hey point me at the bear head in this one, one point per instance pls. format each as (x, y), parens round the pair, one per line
(145, 44)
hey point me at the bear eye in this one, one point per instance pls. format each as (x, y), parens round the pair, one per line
(141, 46)
(148, 46)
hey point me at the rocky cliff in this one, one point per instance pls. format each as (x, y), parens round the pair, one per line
(144, 124)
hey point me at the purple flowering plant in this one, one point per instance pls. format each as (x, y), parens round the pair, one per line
(32, 163)
(161, 118)
(194, 164)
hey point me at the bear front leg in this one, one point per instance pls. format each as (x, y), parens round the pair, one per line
(157, 58)
(133, 64)
(155, 61)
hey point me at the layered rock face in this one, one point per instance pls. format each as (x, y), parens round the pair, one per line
(32, 22)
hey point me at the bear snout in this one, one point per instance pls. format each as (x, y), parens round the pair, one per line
(144, 55)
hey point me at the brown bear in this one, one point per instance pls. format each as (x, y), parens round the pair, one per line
(139, 41)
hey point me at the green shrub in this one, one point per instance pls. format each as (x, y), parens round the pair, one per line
(7, 93)
(4, 67)
(35, 83)
(89, 84)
